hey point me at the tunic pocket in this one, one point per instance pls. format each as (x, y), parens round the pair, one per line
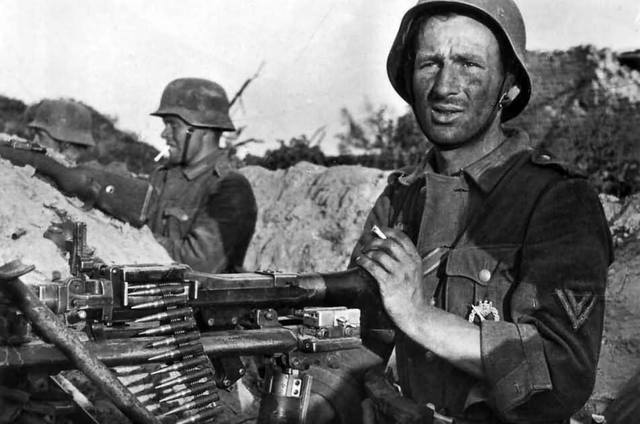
(177, 220)
(478, 275)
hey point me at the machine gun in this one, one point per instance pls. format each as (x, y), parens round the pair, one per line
(191, 328)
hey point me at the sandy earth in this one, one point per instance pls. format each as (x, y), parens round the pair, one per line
(309, 216)
(28, 206)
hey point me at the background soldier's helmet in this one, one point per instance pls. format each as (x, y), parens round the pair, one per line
(198, 102)
(64, 120)
(501, 16)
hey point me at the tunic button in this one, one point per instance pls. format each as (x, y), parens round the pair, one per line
(484, 275)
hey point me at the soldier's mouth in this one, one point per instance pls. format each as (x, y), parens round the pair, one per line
(445, 114)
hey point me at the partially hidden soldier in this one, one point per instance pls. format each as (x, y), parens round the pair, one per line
(493, 264)
(197, 207)
(65, 126)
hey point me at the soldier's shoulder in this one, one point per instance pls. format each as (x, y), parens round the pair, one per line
(223, 168)
(542, 159)
(231, 182)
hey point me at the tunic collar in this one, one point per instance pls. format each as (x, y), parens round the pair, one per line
(217, 161)
(486, 171)
(489, 169)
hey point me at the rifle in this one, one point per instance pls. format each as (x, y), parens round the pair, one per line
(145, 315)
(21, 144)
(96, 187)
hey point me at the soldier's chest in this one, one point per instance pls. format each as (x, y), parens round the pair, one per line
(180, 200)
(472, 273)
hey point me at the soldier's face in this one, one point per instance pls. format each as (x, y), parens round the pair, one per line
(41, 137)
(457, 78)
(175, 134)
(69, 150)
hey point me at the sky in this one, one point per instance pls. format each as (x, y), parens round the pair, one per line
(319, 56)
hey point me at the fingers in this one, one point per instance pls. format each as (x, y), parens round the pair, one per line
(399, 237)
(381, 258)
(396, 244)
(377, 271)
(389, 258)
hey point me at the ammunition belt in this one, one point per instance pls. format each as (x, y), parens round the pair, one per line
(180, 382)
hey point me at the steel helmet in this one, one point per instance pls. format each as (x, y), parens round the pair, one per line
(64, 120)
(199, 102)
(501, 16)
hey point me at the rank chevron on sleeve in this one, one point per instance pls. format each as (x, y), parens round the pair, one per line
(577, 305)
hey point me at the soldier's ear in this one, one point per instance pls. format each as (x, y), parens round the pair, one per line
(512, 90)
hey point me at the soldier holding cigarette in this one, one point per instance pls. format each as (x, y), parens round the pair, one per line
(492, 261)
(197, 207)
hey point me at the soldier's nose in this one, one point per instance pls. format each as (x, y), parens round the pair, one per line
(165, 134)
(446, 82)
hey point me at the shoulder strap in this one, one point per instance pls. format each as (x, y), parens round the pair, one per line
(545, 159)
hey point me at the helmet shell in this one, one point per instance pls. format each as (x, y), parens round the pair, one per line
(198, 102)
(64, 120)
(502, 16)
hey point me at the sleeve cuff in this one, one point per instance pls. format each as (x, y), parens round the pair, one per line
(514, 362)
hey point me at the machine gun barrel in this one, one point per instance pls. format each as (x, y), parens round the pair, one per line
(280, 290)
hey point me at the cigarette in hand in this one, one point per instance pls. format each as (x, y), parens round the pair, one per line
(163, 153)
(378, 232)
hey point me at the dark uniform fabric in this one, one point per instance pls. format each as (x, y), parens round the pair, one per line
(521, 231)
(204, 215)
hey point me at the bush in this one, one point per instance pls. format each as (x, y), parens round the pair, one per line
(298, 149)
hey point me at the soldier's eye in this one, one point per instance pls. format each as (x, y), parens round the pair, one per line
(470, 64)
(427, 64)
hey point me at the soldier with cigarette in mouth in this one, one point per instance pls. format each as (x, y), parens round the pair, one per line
(197, 207)
(491, 257)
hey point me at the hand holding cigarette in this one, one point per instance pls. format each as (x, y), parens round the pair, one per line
(378, 232)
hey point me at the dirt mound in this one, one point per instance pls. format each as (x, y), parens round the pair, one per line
(620, 351)
(309, 216)
(29, 206)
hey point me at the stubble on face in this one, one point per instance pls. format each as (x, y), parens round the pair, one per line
(457, 79)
